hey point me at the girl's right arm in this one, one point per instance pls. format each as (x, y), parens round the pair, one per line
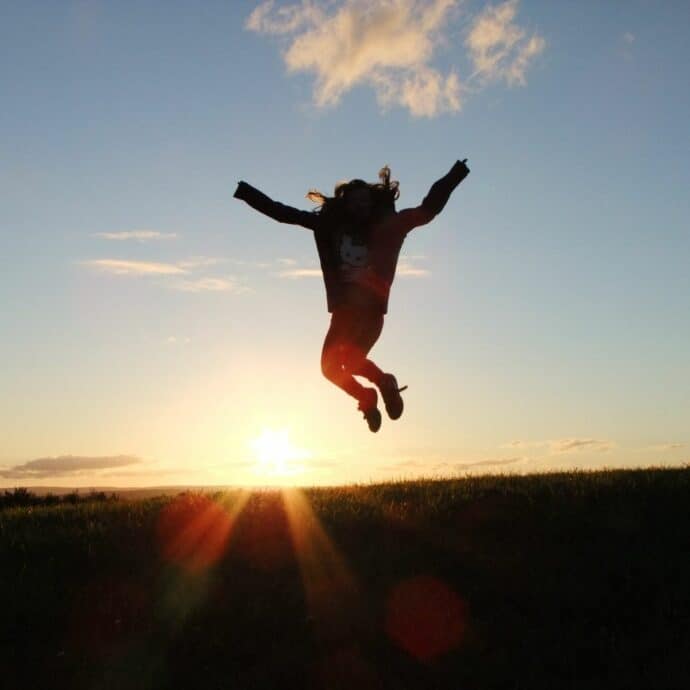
(273, 209)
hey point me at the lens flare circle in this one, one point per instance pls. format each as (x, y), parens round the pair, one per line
(426, 617)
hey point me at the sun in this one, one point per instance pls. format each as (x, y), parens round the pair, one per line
(276, 456)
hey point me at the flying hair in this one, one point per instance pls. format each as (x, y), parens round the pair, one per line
(384, 194)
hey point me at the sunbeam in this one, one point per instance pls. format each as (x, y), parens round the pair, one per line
(332, 595)
(193, 530)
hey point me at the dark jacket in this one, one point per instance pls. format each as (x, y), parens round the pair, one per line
(384, 242)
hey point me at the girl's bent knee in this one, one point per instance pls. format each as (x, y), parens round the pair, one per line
(330, 367)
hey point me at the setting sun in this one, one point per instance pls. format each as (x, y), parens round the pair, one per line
(276, 456)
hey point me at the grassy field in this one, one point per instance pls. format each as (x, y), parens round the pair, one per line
(573, 580)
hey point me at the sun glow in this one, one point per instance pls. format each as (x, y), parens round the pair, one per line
(276, 457)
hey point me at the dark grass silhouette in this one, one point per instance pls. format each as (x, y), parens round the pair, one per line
(22, 497)
(572, 580)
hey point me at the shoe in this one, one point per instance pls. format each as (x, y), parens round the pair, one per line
(391, 396)
(367, 405)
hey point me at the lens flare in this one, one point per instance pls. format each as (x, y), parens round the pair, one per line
(426, 617)
(194, 529)
(330, 588)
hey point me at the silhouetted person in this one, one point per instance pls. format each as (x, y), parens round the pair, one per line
(358, 236)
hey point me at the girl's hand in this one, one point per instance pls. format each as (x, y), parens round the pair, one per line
(464, 169)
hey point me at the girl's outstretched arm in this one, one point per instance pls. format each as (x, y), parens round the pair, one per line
(273, 209)
(436, 199)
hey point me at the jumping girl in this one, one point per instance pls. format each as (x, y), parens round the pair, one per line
(358, 236)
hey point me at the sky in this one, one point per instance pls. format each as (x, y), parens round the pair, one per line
(156, 331)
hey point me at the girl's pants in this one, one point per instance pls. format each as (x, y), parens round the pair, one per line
(352, 333)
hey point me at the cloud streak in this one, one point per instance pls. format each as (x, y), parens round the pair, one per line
(200, 262)
(660, 447)
(422, 466)
(572, 445)
(122, 267)
(208, 284)
(301, 273)
(565, 445)
(139, 235)
(391, 45)
(496, 462)
(408, 270)
(626, 44)
(66, 465)
(187, 269)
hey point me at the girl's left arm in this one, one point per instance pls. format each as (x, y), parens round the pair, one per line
(436, 199)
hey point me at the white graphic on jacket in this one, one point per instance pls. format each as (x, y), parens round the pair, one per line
(353, 254)
(353, 258)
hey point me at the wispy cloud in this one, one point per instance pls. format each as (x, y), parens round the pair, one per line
(207, 284)
(565, 445)
(301, 273)
(626, 44)
(572, 445)
(390, 46)
(200, 262)
(192, 269)
(500, 49)
(251, 264)
(449, 466)
(517, 443)
(408, 270)
(660, 447)
(131, 267)
(284, 20)
(66, 465)
(139, 235)
(493, 462)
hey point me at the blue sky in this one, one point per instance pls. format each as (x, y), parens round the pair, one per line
(152, 329)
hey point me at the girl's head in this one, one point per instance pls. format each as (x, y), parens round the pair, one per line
(359, 200)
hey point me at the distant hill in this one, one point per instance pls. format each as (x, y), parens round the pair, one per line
(124, 493)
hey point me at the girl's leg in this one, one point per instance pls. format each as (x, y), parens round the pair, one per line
(333, 359)
(370, 371)
(370, 329)
(336, 352)
(350, 337)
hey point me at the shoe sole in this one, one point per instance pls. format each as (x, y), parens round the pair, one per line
(375, 424)
(392, 399)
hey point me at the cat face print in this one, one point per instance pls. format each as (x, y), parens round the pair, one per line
(351, 253)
